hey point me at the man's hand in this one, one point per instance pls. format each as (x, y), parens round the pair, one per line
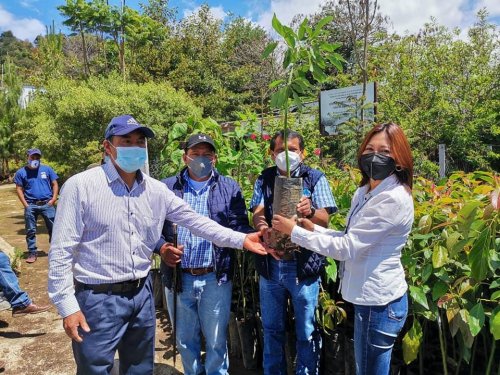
(252, 243)
(171, 255)
(283, 224)
(71, 324)
(304, 207)
(51, 202)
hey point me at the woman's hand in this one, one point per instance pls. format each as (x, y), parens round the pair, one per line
(283, 224)
(306, 224)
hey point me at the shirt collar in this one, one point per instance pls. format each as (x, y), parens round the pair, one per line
(112, 174)
(185, 176)
(385, 184)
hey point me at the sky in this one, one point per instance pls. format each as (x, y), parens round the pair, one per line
(28, 18)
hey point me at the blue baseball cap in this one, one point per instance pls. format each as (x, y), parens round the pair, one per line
(34, 151)
(124, 124)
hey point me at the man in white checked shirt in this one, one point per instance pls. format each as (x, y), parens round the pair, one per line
(108, 222)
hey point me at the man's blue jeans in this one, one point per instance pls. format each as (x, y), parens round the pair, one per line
(10, 284)
(283, 282)
(375, 330)
(203, 307)
(31, 216)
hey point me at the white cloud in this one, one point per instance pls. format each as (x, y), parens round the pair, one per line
(493, 7)
(217, 12)
(412, 15)
(22, 28)
(409, 15)
(286, 9)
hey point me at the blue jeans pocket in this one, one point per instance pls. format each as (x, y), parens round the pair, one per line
(398, 309)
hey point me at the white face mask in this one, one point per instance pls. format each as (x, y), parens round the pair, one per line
(293, 159)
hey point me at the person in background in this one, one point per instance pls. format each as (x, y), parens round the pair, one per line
(18, 299)
(37, 189)
(204, 304)
(379, 222)
(297, 274)
(109, 221)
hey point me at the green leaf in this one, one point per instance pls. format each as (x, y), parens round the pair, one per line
(411, 342)
(439, 289)
(302, 29)
(321, 24)
(178, 131)
(479, 255)
(418, 295)
(269, 49)
(476, 319)
(329, 47)
(331, 270)
(495, 295)
(439, 256)
(276, 83)
(452, 240)
(287, 59)
(427, 272)
(289, 36)
(495, 323)
(425, 224)
(277, 26)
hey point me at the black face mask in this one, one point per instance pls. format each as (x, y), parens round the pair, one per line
(377, 166)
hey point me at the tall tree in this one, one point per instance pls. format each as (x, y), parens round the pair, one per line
(10, 111)
(443, 89)
(78, 13)
(18, 51)
(49, 54)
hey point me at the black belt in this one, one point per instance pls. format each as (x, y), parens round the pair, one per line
(198, 271)
(41, 203)
(121, 287)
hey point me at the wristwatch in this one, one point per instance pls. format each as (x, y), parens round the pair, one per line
(313, 211)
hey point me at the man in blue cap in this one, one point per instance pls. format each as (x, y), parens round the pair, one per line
(37, 189)
(109, 220)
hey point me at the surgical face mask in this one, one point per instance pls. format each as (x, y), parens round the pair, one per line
(34, 163)
(200, 166)
(377, 166)
(130, 159)
(293, 159)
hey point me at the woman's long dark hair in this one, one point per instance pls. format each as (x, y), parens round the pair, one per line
(400, 149)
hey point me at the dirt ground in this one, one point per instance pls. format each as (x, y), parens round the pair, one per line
(37, 344)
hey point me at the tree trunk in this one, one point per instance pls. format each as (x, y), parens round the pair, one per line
(86, 69)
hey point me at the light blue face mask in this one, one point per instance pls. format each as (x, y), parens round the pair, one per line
(130, 159)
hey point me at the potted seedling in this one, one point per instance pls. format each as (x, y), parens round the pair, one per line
(306, 57)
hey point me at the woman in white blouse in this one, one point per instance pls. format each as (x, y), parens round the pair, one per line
(379, 222)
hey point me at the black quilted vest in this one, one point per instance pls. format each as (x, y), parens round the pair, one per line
(309, 263)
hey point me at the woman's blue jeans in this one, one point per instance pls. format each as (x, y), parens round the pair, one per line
(375, 331)
(274, 292)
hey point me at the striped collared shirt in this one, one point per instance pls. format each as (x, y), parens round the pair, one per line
(106, 233)
(197, 250)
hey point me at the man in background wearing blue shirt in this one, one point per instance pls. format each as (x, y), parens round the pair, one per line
(204, 304)
(37, 188)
